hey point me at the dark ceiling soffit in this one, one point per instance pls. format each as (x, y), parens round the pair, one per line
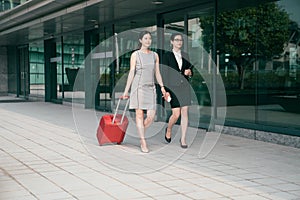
(161, 10)
(39, 12)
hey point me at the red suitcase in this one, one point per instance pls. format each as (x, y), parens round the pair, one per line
(112, 128)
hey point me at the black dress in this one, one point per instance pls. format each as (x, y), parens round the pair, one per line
(175, 82)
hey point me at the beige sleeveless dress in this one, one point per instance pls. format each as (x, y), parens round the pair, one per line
(143, 91)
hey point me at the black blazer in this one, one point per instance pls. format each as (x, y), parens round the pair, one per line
(172, 75)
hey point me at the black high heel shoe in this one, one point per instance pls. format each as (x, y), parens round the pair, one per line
(184, 146)
(168, 140)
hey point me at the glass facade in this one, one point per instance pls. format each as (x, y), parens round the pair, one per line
(256, 51)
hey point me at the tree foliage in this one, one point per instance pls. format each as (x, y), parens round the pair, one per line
(248, 33)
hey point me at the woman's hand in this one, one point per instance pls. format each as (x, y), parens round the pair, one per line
(124, 96)
(167, 97)
(163, 90)
(188, 72)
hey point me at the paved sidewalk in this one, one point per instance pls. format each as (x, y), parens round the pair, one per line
(49, 152)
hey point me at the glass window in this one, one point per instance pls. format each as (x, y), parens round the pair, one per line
(258, 56)
(278, 65)
(36, 70)
(73, 61)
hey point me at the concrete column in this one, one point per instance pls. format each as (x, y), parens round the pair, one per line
(3, 71)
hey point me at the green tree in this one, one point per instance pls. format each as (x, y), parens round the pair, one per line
(247, 34)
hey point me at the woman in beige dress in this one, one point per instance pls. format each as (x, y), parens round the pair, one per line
(144, 66)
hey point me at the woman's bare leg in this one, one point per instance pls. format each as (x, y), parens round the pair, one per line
(141, 129)
(184, 123)
(172, 120)
(150, 118)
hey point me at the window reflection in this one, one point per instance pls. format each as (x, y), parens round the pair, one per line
(258, 53)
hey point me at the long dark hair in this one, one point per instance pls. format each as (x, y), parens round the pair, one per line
(141, 35)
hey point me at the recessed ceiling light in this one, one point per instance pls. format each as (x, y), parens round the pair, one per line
(157, 2)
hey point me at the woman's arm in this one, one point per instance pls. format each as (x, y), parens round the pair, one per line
(158, 75)
(165, 69)
(131, 74)
(189, 68)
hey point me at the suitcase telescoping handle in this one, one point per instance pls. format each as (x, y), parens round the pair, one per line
(115, 115)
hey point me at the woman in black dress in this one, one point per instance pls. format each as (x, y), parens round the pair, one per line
(176, 78)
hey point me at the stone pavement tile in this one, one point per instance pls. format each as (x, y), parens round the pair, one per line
(181, 186)
(85, 192)
(237, 171)
(50, 155)
(11, 196)
(207, 180)
(243, 183)
(176, 169)
(51, 175)
(55, 195)
(295, 178)
(177, 183)
(260, 189)
(210, 171)
(16, 195)
(287, 187)
(251, 175)
(270, 181)
(4, 176)
(296, 192)
(60, 162)
(158, 176)
(130, 179)
(11, 147)
(222, 167)
(228, 178)
(203, 194)
(159, 192)
(250, 197)
(122, 191)
(98, 179)
(69, 182)
(184, 174)
(76, 169)
(48, 167)
(27, 158)
(96, 196)
(39, 185)
(226, 190)
(146, 185)
(281, 196)
(10, 164)
(16, 172)
(11, 186)
(173, 197)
